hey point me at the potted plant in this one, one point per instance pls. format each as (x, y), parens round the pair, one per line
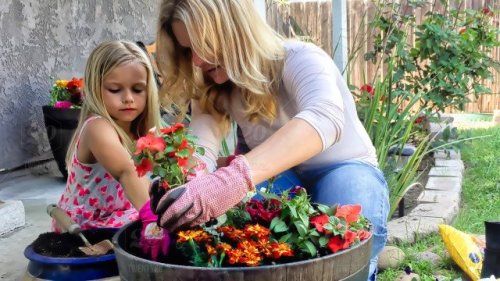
(271, 239)
(61, 117)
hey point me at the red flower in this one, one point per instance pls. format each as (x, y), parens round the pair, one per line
(267, 213)
(182, 162)
(419, 119)
(367, 88)
(487, 12)
(335, 244)
(150, 142)
(144, 167)
(319, 221)
(349, 212)
(349, 238)
(184, 144)
(169, 130)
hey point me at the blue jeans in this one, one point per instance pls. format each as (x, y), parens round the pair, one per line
(347, 182)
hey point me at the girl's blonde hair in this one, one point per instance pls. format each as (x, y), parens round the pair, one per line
(104, 59)
(229, 33)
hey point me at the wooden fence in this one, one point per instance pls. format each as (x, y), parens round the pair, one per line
(312, 21)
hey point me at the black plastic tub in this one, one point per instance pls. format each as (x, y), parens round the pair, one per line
(348, 265)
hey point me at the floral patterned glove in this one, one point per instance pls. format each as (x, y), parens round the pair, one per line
(204, 197)
(153, 238)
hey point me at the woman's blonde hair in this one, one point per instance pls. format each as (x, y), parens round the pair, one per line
(104, 59)
(229, 33)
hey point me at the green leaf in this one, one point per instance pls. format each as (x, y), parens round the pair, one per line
(323, 241)
(309, 247)
(278, 225)
(301, 228)
(285, 237)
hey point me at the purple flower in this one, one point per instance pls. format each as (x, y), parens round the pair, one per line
(63, 104)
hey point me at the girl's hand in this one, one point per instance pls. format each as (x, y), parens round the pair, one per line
(204, 197)
(153, 238)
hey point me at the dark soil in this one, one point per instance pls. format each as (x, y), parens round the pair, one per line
(53, 244)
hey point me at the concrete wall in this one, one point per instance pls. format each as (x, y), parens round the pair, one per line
(40, 39)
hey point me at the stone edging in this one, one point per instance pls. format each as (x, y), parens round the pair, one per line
(438, 203)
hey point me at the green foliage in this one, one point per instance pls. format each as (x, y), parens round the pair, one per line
(448, 59)
(480, 202)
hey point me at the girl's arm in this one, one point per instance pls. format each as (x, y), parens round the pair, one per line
(104, 144)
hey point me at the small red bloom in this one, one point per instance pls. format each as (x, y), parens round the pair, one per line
(349, 212)
(335, 244)
(144, 167)
(349, 238)
(150, 142)
(367, 88)
(419, 119)
(487, 12)
(319, 221)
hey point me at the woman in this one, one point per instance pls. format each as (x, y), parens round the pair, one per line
(290, 101)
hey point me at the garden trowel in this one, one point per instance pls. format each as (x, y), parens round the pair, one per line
(67, 224)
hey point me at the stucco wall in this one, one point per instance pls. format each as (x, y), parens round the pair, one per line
(40, 39)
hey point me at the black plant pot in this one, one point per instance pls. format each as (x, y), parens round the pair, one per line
(60, 124)
(491, 262)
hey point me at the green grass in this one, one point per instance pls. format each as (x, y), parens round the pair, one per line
(480, 202)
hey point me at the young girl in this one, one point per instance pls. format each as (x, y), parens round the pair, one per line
(120, 105)
(292, 104)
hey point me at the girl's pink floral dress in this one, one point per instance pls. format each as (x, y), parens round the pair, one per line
(93, 198)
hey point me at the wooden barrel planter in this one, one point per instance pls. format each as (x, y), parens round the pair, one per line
(74, 265)
(348, 265)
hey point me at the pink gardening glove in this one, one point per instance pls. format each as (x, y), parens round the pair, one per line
(204, 197)
(153, 238)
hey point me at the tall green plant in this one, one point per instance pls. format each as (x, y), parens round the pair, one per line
(449, 58)
(390, 121)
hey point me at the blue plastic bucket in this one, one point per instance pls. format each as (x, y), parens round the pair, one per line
(71, 268)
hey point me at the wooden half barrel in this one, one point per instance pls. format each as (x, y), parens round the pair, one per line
(349, 265)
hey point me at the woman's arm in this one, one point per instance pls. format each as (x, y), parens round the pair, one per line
(291, 145)
(104, 144)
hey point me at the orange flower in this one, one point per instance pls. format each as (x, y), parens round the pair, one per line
(349, 212)
(257, 231)
(196, 235)
(224, 247)
(232, 232)
(264, 247)
(150, 142)
(281, 249)
(211, 250)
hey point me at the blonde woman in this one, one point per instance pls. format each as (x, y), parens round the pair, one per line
(294, 109)
(120, 105)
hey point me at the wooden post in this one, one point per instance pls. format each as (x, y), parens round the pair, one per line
(339, 36)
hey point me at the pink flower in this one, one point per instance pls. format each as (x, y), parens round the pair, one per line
(63, 104)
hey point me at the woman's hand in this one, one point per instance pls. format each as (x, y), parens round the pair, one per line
(204, 197)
